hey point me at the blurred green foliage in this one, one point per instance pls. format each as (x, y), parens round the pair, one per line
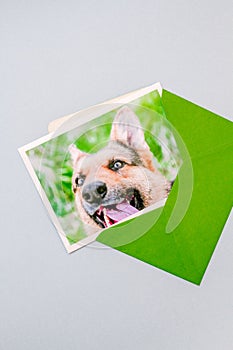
(52, 164)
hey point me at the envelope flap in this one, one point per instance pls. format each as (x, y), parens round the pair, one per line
(187, 249)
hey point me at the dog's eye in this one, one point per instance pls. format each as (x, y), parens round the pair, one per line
(79, 181)
(116, 165)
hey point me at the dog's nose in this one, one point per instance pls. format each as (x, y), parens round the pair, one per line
(94, 192)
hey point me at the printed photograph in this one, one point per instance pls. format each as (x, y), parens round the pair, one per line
(108, 169)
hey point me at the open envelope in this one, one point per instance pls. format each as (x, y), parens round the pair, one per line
(180, 236)
(183, 238)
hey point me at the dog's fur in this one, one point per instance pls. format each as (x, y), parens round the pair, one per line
(98, 185)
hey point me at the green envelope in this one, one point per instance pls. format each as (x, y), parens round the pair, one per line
(181, 236)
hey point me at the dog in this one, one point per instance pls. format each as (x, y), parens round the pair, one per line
(120, 179)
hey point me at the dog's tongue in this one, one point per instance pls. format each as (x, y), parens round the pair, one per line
(121, 211)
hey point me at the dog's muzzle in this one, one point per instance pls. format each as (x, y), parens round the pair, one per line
(94, 192)
(107, 211)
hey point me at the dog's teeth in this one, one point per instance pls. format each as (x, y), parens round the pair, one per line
(128, 200)
(107, 221)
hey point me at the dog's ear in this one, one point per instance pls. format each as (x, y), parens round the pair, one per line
(75, 153)
(127, 129)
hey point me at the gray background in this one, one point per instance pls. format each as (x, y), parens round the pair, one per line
(58, 57)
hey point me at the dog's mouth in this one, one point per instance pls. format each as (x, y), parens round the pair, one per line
(108, 215)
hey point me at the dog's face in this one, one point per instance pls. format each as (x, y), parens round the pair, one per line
(120, 179)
